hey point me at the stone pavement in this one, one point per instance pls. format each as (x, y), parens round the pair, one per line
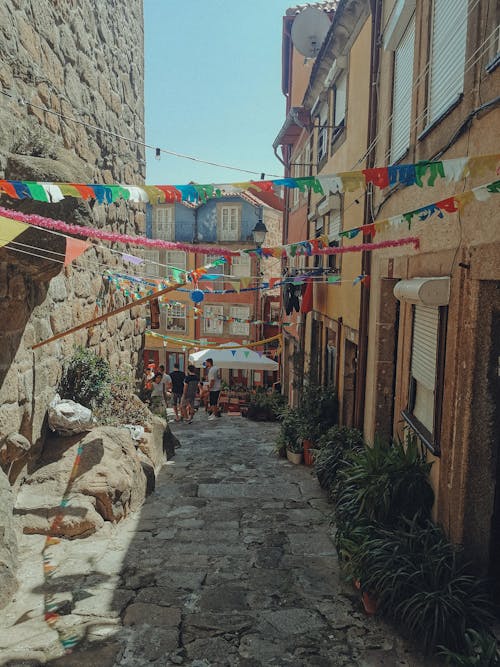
(230, 562)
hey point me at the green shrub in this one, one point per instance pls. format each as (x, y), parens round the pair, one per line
(86, 379)
(421, 582)
(481, 650)
(385, 482)
(266, 406)
(330, 452)
(289, 429)
(122, 405)
(318, 411)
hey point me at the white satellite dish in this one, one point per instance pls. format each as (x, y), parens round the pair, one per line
(309, 30)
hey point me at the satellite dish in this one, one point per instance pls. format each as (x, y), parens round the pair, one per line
(309, 30)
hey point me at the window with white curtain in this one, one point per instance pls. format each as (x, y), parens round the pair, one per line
(240, 328)
(447, 55)
(212, 319)
(164, 223)
(402, 93)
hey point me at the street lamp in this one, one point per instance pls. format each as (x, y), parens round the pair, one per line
(259, 233)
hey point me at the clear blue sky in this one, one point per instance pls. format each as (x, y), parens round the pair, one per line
(213, 87)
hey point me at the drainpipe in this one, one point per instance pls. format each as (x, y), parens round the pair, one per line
(359, 408)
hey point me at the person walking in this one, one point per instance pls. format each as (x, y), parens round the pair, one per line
(189, 394)
(214, 386)
(177, 378)
(159, 397)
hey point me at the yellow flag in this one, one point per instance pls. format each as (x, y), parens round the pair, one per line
(9, 229)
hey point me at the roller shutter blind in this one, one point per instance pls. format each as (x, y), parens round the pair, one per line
(425, 345)
(447, 57)
(402, 93)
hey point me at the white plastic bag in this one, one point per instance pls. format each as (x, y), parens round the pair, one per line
(69, 418)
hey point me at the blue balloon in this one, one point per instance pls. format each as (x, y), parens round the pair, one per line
(197, 295)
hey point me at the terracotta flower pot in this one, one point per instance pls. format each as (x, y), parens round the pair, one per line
(294, 457)
(369, 603)
(308, 457)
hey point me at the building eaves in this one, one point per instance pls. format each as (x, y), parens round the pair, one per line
(298, 118)
(324, 6)
(345, 20)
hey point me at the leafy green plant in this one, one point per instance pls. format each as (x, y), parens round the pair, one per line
(289, 428)
(386, 481)
(123, 405)
(266, 406)
(331, 450)
(422, 583)
(481, 650)
(86, 379)
(318, 411)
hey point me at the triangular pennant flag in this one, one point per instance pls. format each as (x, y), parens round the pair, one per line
(74, 248)
(9, 230)
(246, 353)
(132, 258)
(233, 352)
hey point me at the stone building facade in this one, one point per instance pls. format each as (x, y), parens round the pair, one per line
(60, 61)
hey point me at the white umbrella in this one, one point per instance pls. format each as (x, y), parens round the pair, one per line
(241, 357)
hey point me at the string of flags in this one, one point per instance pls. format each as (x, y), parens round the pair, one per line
(211, 345)
(423, 174)
(309, 247)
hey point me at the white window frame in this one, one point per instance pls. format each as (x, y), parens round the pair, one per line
(212, 319)
(447, 56)
(228, 222)
(239, 328)
(402, 93)
(241, 266)
(164, 222)
(175, 258)
(175, 317)
(151, 266)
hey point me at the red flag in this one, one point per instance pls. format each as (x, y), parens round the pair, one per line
(74, 248)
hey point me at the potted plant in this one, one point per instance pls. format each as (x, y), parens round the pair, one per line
(318, 412)
(294, 451)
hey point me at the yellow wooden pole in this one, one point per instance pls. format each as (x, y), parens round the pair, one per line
(102, 318)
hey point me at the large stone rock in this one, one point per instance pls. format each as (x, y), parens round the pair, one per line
(109, 483)
(8, 543)
(13, 448)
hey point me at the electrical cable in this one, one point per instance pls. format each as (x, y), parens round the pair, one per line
(137, 142)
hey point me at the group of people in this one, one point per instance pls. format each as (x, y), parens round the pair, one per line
(182, 389)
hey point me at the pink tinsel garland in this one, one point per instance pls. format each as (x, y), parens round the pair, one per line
(409, 240)
(92, 233)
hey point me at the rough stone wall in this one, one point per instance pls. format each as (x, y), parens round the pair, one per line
(83, 60)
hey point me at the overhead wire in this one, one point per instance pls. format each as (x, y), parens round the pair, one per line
(22, 102)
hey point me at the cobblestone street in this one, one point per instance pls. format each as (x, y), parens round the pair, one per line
(230, 562)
